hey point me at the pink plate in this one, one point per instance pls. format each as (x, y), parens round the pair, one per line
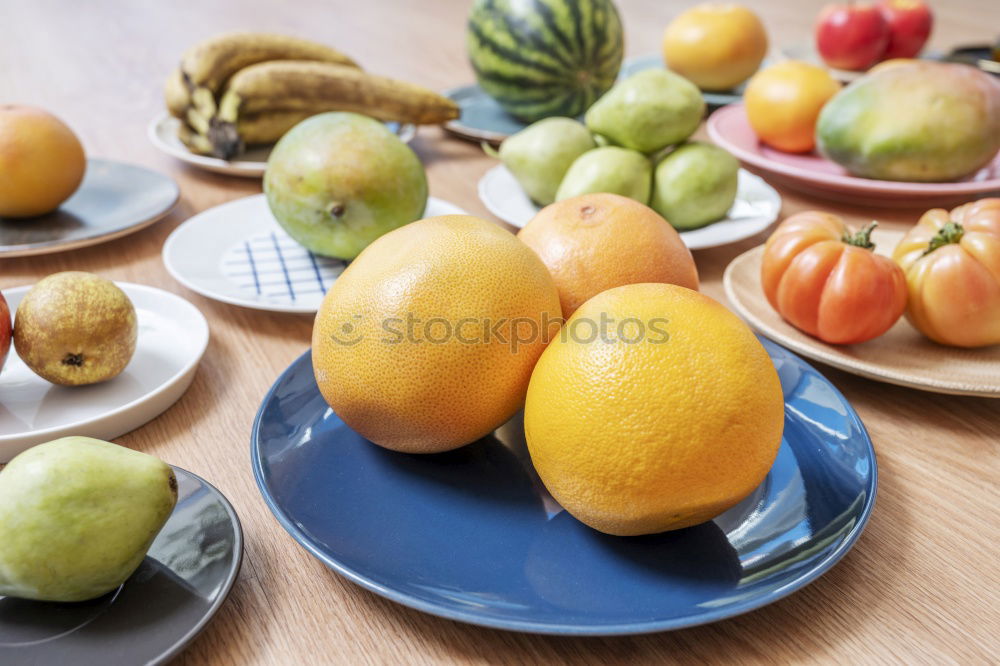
(811, 173)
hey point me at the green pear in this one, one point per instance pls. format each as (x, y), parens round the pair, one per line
(609, 169)
(540, 155)
(77, 516)
(75, 328)
(648, 111)
(695, 185)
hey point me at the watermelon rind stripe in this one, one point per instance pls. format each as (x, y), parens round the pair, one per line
(510, 55)
(548, 17)
(523, 29)
(540, 58)
(574, 10)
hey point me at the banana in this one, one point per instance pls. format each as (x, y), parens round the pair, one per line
(196, 143)
(176, 94)
(269, 126)
(228, 140)
(208, 65)
(316, 87)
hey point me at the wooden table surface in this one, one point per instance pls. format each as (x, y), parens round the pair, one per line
(920, 586)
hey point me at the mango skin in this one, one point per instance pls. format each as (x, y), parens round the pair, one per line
(337, 181)
(77, 516)
(920, 122)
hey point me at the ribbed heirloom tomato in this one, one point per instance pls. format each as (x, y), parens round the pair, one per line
(825, 279)
(952, 265)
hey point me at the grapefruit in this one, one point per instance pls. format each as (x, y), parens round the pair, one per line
(715, 46)
(595, 242)
(427, 340)
(41, 160)
(665, 418)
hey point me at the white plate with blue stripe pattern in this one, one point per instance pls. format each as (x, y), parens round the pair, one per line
(237, 253)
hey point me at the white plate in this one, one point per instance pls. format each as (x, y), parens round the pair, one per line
(237, 253)
(756, 208)
(162, 131)
(173, 335)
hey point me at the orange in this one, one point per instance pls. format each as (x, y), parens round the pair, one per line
(41, 160)
(716, 46)
(595, 242)
(427, 341)
(783, 102)
(662, 417)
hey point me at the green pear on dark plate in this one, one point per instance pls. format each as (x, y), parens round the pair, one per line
(77, 516)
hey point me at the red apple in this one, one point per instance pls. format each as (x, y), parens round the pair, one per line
(851, 36)
(909, 26)
(4, 330)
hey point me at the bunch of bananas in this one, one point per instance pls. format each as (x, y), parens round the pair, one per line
(246, 88)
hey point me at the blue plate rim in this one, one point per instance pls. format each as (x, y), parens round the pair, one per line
(625, 629)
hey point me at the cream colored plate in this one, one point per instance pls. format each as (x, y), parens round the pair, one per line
(902, 356)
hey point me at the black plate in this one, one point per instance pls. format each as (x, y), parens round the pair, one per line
(181, 584)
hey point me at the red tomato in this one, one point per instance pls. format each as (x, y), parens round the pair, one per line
(824, 279)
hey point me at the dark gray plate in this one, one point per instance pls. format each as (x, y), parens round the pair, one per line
(114, 199)
(183, 581)
(482, 119)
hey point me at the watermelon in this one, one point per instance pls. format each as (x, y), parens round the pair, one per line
(541, 58)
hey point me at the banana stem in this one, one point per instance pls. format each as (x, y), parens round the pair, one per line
(225, 139)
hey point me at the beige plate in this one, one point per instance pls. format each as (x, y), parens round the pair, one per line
(902, 356)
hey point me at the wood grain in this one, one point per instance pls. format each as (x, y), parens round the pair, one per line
(919, 587)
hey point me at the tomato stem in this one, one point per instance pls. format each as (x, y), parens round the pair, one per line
(862, 238)
(951, 232)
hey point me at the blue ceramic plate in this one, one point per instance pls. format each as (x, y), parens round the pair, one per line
(472, 535)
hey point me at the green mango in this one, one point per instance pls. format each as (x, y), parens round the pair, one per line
(77, 516)
(648, 111)
(337, 181)
(695, 185)
(540, 155)
(923, 122)
(609, 169)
